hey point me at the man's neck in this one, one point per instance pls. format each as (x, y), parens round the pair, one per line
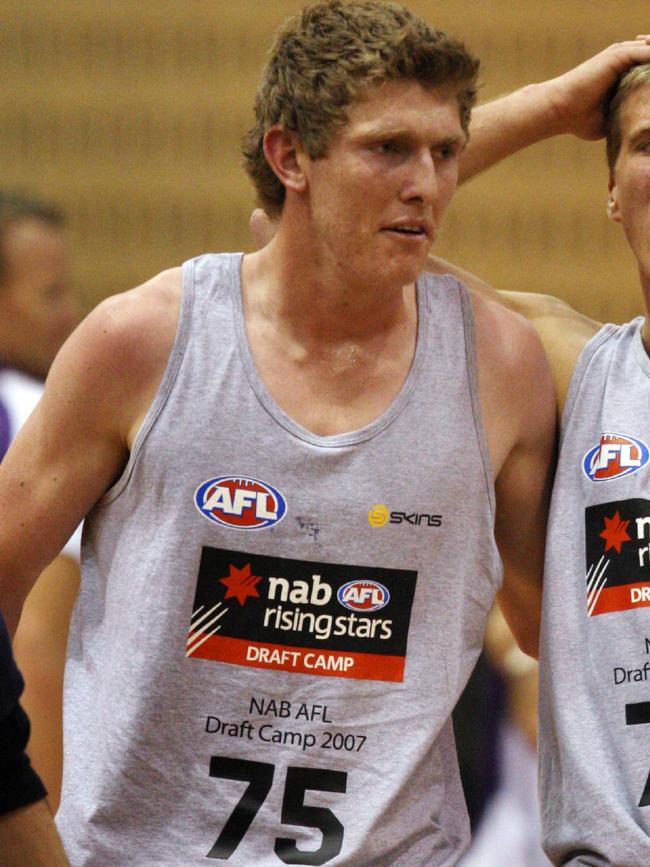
(314, 297)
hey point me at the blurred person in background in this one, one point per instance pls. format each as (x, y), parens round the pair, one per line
(28, 835)
(37, 312)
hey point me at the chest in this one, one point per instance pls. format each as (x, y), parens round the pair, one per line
(337, 388)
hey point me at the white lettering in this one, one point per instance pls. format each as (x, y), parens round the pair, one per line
(283, 586)
(300, 592)
(243, 500)
(644, 553)
(272, 657)
(220, 499)
(626, 456)
(327, 662)
(320, 593)
(262, 510)
(640, 594)
(606, 453)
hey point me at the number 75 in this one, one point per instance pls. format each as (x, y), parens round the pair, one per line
(259, 776)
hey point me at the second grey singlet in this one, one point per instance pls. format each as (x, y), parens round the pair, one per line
(273, 626)
(595, 651)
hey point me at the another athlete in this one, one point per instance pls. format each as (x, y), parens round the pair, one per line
(594, 733)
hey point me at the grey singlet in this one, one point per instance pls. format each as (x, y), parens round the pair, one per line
(273, 626)
(595, 655)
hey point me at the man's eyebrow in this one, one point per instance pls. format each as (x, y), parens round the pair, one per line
(404, 134)
(639, 133)
(454, 140)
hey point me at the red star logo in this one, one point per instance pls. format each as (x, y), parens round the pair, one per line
(241, 584)
(615, 532)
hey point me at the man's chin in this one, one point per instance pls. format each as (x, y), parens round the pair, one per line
(411, 270)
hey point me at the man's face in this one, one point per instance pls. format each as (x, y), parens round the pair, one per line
(35, 302)
(378, 198)
(630, 185)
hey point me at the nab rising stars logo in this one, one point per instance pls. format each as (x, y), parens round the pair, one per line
(245, 504)
(616, 455)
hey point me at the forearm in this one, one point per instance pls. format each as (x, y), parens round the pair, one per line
(509, 124)
(29, 836)
(570, 103)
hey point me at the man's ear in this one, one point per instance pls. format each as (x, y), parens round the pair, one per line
(613, 208)
(283, 153)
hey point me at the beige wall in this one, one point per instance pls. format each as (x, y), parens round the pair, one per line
(130, 115)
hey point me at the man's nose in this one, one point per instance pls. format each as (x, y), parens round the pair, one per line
(421, 182)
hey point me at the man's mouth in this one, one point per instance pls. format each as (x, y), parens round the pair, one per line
(404, 230)
(409, 230)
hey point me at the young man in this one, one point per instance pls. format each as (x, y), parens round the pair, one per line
(297, 469)
(594, 734)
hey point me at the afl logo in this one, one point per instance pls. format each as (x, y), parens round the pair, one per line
(615, 456)
(245, 504)
(363, 595)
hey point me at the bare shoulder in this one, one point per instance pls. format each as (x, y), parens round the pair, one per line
(518, 400)
(143, 319)
(564, 332)
(505, 339)
(546, 311)
(116, 357)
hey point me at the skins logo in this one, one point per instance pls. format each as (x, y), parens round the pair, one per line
(363, 595)
(245, 504)
(615, 456)
(379, 515)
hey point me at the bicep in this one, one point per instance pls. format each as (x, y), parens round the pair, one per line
(75, 444)
(63, 459)
(523, 489)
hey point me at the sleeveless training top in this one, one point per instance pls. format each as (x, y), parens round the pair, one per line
(595, 653)
(274, 626)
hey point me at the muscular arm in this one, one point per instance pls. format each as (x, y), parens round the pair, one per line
(570, 103)
(77, 440)
(519, 416)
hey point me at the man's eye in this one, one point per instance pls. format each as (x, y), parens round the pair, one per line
(444, 153)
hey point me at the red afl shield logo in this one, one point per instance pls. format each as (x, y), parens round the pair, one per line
(245, 504)
(616, 455)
